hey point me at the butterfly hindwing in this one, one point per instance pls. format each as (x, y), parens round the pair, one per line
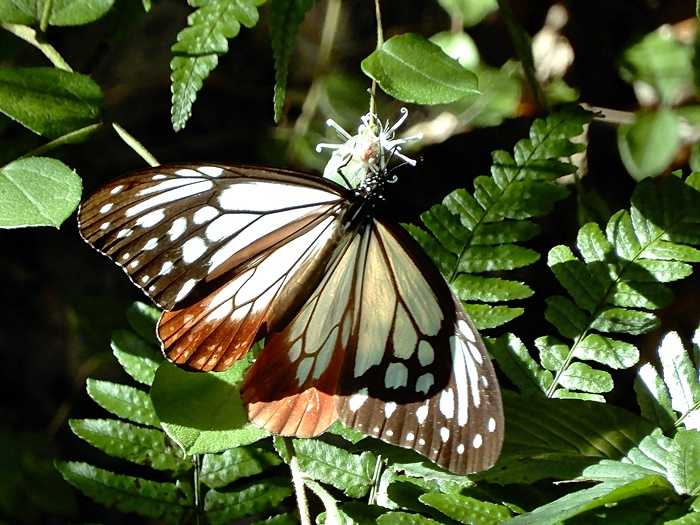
(177, 228)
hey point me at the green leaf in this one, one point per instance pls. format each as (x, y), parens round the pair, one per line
(649, 145)
(332, 515)
(659, 60)
(37, 191)
(515, 362)
(350, 473)
(458, 45)
(145, 446)
(626, 321)
(592, 498)
(569, 436)
(347, 433)
(570, 320)
(605, 350)
(412, 69)
(404, 518)
(466, 509)
(684, 462)
(689, 519)
(63, 12)
(653, 397)
(224, 507)
(124, 401)
(203, 412)
(281, 519)
(470, 12)
(49, 101)
(199, 46)
(285, 18)
(681, 378)
(218, 470)
(139, 359)
(151, 499)
(143, 318)
(486, 316)
(489, 289)
(580, 376)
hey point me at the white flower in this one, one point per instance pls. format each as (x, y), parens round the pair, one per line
(370, 151)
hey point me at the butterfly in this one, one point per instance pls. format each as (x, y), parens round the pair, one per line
(359, 324)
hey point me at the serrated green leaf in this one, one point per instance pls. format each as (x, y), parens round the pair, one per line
(489, 289)
(591, 498)
(412, 69)
(580, 376)
(553, 353)
(648, 145)
(203, 412)
(505, 232)
(151, 499)
(443, 258)
(199, 46)
(684, 462)
(570, 320)
(124, 401)
(610, 352)
(653, 397)
(650, 296)
(496, 258)
(285, 18)
(350, 473)
(624, 321)
(139, 359)
(575, 276)
(347, 433)
(145, 446)
(218, 470)
(563, 393)
(280, 519)
(224, 507)
(466, 509)
(515, 362)
(143, 319)
(485, 316)
(679, 374)
(49, 101)
(671, 251)
(592, 243)
(404, 518)
(647, 270)
(37, 191)
(63, 12)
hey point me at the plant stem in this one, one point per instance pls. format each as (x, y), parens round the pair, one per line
(523, 48)
(313, 96)
(29, 35)
(197, 461)
(380, 42)
(299, 489)
(69, 138)
(376, 476)
(45, 15)
(134, 144)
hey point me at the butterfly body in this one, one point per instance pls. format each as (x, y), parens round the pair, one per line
(359, 325)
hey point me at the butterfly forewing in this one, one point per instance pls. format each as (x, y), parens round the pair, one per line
(173, 228)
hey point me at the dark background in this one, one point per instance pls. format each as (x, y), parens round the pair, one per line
(61, 300)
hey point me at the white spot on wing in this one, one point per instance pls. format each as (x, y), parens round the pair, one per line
(460, 449)
(424, 382)
(170, 196)
(186, 289)
(124, 233)
(185, 172)
(151, 219)
(466, 330)
(193, 249)
(444, 434)
(491, 424)
(106, 207)
(165, 269)
(410, 436)
(163, 186)
(178, 228)
(460, 373)
(389, 409)
(447, 403)
(151, 244)
(478, 440)
(389, 433)
(267, 196)
(357, 400)
(117, 189)
(105, 225)
(205, 214)
(422, 413)
(228, 224)
(212, 171)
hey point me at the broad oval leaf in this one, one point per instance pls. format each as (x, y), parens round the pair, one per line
(648, 145)
(203, 412)
(37, 191)
(412, 69)
(63, 12)
(49, 101)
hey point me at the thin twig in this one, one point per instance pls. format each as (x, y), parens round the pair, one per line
(197, 462)
(380, 43)
(29, 35)
(299, 490)
(376, 477)
(45, 15)
(69, 138)
(134, 144)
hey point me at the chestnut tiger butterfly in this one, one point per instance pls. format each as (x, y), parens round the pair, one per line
(359, 325)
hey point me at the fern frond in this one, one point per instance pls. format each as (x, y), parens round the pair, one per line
(285, 18)
(199, 46)
(671, 399)
(473, 234)
(617, 283)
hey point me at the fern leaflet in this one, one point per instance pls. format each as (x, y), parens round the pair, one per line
(470, 235)
(199, 46)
